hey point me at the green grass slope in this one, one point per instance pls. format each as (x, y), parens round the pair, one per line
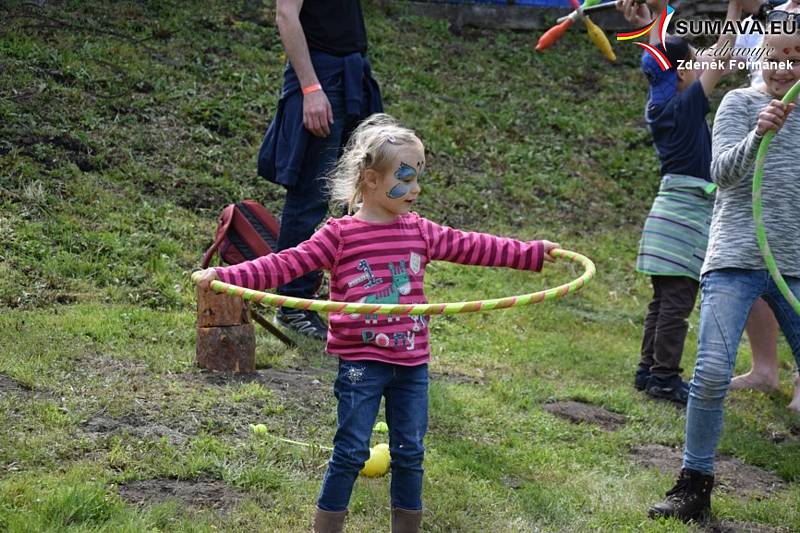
(125, 127)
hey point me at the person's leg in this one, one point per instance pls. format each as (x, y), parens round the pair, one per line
(789, 322)
(678, 295)
(407, 418)
(727, 296)
(794, 405)
(358, 389)
(648, 337)
(762, 330)
(306, 204)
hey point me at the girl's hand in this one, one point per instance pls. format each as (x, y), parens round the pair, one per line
(549, 247)
(205, 277)
(773, 116)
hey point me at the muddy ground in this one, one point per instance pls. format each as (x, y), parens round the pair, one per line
(307, 392)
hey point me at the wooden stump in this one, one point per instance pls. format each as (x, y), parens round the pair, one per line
(226, 340)
(227, 349)
(215, 309)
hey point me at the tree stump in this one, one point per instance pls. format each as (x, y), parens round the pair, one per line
(215, 310)
(227, 349)
(226, 340)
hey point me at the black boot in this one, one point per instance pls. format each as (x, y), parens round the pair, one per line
(671, 388)
(689, 499)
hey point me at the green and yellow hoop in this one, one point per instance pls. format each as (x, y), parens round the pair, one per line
(327, 306)
(761, 233)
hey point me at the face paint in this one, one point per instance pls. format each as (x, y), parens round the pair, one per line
(404, 173)
(398, 191)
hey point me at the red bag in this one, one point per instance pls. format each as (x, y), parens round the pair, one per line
(245, 231)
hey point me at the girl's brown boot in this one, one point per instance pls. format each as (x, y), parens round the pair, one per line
(328, 521)
(405, 521)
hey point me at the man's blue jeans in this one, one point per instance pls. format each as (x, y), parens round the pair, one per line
(306, 202)
(725, 301)
(358, 388)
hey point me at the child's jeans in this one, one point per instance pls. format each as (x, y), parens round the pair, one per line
(358, 388)
(725, 301)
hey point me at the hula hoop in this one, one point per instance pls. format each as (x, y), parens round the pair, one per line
(761, 232)
(327, 306)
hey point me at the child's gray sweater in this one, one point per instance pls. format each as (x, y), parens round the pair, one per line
(732, 242)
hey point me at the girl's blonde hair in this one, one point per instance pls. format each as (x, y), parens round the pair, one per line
(371, 146)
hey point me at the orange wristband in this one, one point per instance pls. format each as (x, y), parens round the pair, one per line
(312, 89)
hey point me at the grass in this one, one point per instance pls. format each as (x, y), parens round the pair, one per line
(125, 128)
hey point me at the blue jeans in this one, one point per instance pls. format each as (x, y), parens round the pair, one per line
(306, 202)
(726, 298)
(358, 388)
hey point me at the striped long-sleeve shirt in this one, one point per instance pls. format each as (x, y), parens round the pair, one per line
(381, 263)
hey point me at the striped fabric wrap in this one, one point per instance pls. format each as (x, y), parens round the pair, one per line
(675, 233)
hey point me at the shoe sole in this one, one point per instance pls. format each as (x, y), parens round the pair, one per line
(297, 332)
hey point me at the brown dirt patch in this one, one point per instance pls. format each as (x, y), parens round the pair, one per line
(578, 412)
(732, 475)
(193, 494)
(133, 425)
(297, 381)
(111, 370)
(292, 382)
(12, 386)
(306, 393)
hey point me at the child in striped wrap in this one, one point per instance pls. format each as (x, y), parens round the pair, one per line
(379, 255)
(675, 233)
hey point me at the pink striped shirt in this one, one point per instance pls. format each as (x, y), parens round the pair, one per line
(382, 263)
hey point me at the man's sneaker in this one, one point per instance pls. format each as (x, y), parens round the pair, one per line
(304, 322)
(641, 379)
(689, 499)
(671, 388)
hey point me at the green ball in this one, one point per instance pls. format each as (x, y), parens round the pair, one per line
(259, 430)
(381, 427)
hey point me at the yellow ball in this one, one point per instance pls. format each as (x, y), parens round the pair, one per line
(378, 463)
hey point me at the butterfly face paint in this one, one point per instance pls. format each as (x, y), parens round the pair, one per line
(406, 174)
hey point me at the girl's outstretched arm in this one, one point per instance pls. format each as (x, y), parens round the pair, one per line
(483, 249)
(269, 271)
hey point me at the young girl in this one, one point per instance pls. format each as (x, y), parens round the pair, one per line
(379, 255)
(734, 274)
(762, 328)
